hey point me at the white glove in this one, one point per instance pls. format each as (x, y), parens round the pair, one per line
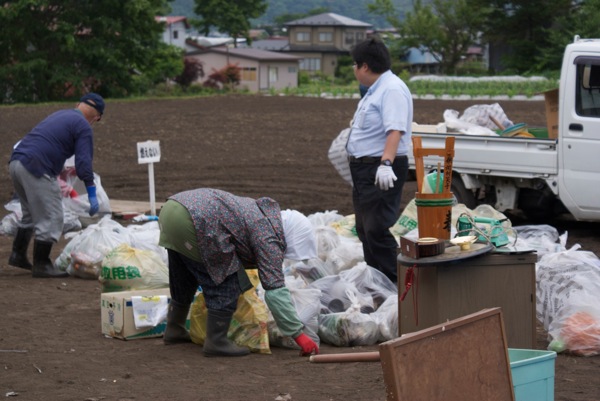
(385, 177)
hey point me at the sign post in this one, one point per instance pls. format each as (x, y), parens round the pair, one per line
(149, 153)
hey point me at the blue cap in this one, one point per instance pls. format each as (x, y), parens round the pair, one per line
(94, 100)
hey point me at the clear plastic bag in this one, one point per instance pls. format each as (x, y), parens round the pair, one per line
(324, 218)
(386, 317)
(306, 303)
(310, 270)
(369, 280)
(577, 327)
(543, 238)
(327, 240)
(346, 255)
(349, 328)
(86, 265)
(568, 300)
(334, 295)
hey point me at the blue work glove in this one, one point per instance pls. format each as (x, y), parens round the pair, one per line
(94, 206)
(385, 178)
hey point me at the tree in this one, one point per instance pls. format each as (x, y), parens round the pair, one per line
(521, 26)
(192, 70)
(53, 50)
(228, 16)
(583, 19)
(446, 28)
(225, 78)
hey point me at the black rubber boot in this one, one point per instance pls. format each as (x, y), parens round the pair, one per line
(175, 332)
(42, 265)
(18, 257)
(216, 342)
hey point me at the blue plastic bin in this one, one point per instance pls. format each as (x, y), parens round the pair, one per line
(532, 374)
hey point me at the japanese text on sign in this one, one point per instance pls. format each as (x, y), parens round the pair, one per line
(148, 152)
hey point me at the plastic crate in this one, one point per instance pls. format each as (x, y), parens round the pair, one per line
(532, 374)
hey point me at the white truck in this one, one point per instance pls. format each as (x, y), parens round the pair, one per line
(542, 177)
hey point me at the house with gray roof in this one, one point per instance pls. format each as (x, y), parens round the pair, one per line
(320, 39)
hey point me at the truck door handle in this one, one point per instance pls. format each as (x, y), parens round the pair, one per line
(575, 127)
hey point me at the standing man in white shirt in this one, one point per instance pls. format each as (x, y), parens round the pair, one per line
(378, 148)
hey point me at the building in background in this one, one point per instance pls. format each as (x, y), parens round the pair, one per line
(261, 70)
(176, 30)
(321, 39)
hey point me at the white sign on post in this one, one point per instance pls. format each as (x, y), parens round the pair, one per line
(149, 153)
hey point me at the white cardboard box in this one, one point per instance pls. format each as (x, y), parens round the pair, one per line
(117, 315)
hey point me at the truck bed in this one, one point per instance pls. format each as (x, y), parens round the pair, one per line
(494, 156)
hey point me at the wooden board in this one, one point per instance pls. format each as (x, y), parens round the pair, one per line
(129, 209)
(464, 359)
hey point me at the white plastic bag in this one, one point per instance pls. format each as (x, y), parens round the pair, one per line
(453, 122)
(146, 236)
(338, 156)
(96, 239)
(479, 114)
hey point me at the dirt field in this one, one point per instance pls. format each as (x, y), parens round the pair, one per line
(51, 346)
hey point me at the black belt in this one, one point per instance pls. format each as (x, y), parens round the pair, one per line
(366, 159)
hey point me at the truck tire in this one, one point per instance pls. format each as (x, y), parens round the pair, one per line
(461, 193)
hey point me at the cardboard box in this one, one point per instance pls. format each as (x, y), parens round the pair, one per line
(551, 99)
(117, 318)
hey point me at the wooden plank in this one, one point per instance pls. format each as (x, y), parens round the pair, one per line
(127, 208)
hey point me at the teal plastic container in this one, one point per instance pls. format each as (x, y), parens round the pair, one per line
(532, 374)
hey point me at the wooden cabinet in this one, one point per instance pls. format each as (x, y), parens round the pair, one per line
(452, 289)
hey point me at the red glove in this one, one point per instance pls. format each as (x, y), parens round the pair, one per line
(307, 345)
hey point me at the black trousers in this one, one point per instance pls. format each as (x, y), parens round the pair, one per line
(376, 211)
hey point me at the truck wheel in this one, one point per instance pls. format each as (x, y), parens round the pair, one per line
(462, 194)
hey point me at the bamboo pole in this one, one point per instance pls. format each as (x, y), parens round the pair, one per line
(350, 357)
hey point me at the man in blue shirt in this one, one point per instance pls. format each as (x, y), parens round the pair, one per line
(378, 147)
(35, 164)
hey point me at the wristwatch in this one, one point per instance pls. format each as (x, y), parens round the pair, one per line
(386, 163)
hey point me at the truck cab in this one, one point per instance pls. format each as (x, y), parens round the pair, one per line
(579, 129)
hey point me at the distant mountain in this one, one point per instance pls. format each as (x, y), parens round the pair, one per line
(356, 9)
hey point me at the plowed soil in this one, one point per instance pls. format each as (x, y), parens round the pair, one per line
(51, 346)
